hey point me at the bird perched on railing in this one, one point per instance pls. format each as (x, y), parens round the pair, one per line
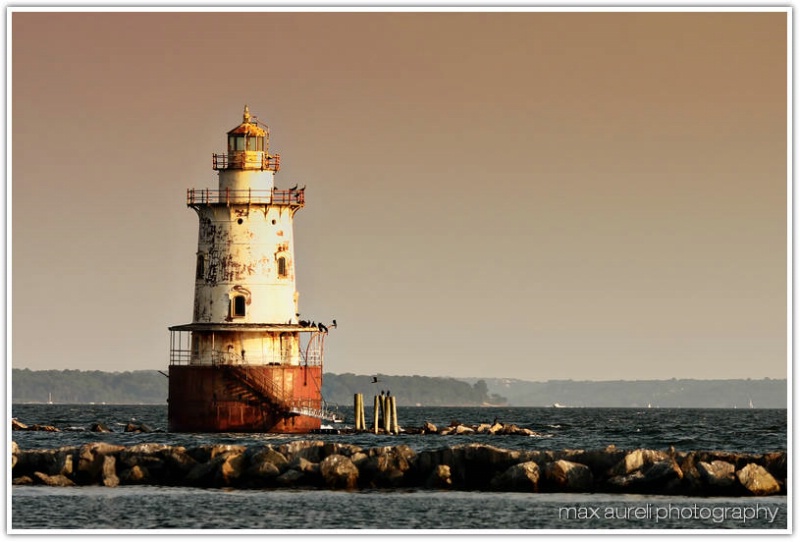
(322, 327)
(333, 324)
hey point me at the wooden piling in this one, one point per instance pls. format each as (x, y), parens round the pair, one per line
(387, 414)
(355, 411)
(358, 411)
(395, 425)
(361, 412)
(377, 413)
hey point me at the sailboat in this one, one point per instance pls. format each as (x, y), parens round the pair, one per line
(49, 398)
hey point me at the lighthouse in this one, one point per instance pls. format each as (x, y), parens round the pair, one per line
(246, 362)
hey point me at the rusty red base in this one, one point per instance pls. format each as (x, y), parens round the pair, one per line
(205, 399)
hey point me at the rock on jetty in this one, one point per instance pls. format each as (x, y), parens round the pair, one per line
(480, 467)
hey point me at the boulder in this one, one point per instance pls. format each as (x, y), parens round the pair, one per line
(206, 452)
(635, 460)
(496, 428)
(483, 428)
(65, 461)
(300, 464)
(267, 454)
(692, 481)
(519, 477)
(47, 428)
(264, 466)
(109, 471)
(151, 458)
(659, 478)
(464, 430)
(358, 459)
(138, 428)
(346, 450)
(429, 428)
(230, 469)
(716, 476)
(439, 478)
(757, 480)
(338, 472)
(99, 428)
(91, 459)
(14, 452)
(57, 480)
(223, 470)
(567, 476)
(22, 481)
(290, 478)
(472, 465)
(737, 459)
(308, 470)
(17, 425)
(386, 466)
(598, 461)
(775, 463)
(311, 450)
(175, 463)
(261, 474)
(135, 475)
(29, 461)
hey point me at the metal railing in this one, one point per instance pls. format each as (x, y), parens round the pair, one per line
(311, 354)
(243, 160)
(204, 196)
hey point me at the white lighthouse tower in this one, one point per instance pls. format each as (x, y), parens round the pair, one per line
(246, 362)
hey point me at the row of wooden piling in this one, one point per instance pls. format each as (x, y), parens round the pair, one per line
(385, 414)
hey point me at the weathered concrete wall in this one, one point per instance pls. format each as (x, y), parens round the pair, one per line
(480, 467)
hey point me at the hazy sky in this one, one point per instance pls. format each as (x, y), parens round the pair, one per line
(527, 195)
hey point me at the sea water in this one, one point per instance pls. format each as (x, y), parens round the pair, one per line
(181, 508)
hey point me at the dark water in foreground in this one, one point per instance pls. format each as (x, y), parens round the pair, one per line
(152, 507)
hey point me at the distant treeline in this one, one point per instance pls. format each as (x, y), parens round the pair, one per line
(672, 393)
(150, 387)
(83, 387)
(409, 390)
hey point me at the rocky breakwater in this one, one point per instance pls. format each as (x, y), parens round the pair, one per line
(479, 467)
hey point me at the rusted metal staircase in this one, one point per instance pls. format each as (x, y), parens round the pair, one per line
(258, 389)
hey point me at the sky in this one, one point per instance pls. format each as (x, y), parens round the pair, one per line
(531, 195)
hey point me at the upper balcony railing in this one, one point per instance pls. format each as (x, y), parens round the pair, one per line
(195, 196)
(246, 160)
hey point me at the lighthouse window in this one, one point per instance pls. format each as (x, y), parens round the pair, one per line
(236, 143)
(281, 266)
(238, 306)
(251, 144)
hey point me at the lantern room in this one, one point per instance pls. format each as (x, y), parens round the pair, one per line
(248, 147)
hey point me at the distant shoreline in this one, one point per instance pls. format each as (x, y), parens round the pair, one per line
(149, 387)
